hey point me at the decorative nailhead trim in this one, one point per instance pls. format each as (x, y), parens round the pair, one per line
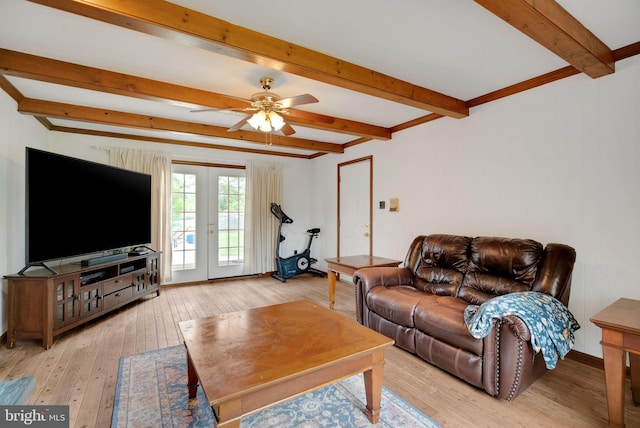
(516, 380)
(498, 328)
(358, 307)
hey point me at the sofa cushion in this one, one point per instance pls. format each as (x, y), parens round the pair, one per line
(443, 262)
(499, 266)
(442, 317)
(404, 337)
(466, 365)
(396, 304)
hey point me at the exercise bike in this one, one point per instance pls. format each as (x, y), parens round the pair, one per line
(299, 262)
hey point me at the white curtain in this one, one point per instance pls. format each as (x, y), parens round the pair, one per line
(158, 165)
(264, 186)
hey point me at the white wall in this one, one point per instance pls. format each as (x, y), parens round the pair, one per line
(559, 163)
(16, 132)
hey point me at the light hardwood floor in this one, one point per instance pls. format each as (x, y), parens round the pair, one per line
(82, 367)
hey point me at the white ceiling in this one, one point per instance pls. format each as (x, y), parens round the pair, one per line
(455, 47)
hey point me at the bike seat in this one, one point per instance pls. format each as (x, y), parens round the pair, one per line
(314, 231)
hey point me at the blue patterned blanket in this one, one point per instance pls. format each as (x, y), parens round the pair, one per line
(549, 321)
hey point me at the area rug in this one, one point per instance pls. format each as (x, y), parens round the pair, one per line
(15, 392)
(151, 391)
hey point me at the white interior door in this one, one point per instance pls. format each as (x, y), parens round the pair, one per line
(354, 212)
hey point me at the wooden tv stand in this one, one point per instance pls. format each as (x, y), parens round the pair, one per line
(43, 305)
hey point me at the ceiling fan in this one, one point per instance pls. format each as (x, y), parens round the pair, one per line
(266, 110)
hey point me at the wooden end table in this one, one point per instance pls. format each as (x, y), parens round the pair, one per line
(249, 360)
(620, 324)
(348, 265)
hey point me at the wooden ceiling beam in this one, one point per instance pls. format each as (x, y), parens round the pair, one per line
(175, 142)
(186, 26)
(549, 24)
(10, 89)
(131, 120)
(34, 67)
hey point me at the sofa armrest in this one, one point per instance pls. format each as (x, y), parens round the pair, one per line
(554, 275)
(367, 278)
(511, 364)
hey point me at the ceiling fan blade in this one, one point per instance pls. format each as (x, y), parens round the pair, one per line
(297, 100)
(240, 124)
(287, 129)
(316, 117)
(244, 100)
(223, 109)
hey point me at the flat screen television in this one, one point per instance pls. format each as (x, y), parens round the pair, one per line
(76, 207)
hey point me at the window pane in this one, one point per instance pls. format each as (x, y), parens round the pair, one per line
(223, 185)
(177, 183)
(176, 238)
(223, 203)
(223, 221)
(233, 185)
(233, 221)
(189, 259)
(190, 221)
(233, 203)
(190, 202)
(190, 183)
(223, 240)
(177, 202)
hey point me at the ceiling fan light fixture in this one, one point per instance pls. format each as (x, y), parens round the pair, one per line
(266, 110)
(265, 127)
(277, 122)
(264, 122)
(258, 119)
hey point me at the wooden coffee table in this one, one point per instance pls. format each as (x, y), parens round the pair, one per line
(249, 360)
(348, 265)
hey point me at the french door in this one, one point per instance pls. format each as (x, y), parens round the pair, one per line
(207, 222)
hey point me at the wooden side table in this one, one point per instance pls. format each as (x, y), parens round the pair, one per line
(620, 324)
(348, 265)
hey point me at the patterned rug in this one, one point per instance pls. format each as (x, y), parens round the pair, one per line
(152, 392)
(14, 392)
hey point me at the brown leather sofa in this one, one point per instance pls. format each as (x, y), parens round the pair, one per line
(421, 304)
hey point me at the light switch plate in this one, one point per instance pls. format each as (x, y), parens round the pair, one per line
(394, 205)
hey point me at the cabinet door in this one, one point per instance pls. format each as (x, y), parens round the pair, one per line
(66, 300)
(90, 299)
(140, 284)
(153, 271)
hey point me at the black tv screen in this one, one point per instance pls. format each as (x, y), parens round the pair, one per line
(76, 207)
